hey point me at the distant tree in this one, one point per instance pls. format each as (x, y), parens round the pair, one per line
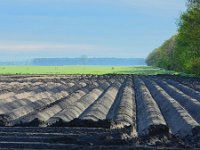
(181, 52)
(188, 41)
(164, 55)
(194, 4)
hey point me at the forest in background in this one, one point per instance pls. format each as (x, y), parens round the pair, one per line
(182, 51)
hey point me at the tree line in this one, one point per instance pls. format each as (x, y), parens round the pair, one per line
(182, 51)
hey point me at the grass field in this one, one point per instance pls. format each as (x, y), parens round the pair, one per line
(82, 70)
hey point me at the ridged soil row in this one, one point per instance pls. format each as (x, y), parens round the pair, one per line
(187, 81)
(74, 110)
(185, 89)
(24, 86)
(32, 79)
(178, 119)
(27, 98)
(9, 117)
(189, 103)
(7, 86)
(20, 93)
(124, 113)
(150, 120)
(18, 84)
(12, 98)
(41, 117)
(11, 92)
(28, 91)
(98, 111)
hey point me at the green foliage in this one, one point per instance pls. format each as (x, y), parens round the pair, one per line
(163, 56)
(182, 51)
(193, 4)
(195, 66)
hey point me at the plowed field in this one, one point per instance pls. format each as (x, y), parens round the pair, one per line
(99, 111)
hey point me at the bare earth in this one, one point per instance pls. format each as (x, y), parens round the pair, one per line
(99, 112)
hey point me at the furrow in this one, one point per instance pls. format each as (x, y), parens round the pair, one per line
(51, 130)
(185, 89)
(44, 115)
(191, 82)
(100, 108)
(12, 87)
(6, 87)
(24, 93)
(28, 98)
(178, 119)
(190, 104)
(39, 118)
(8, 118)
(112, 110)
(29, 138)
(150, 120)
(30, 87)
(74, 110)
(84, 138)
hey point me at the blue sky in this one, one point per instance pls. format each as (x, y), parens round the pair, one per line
(96, 28)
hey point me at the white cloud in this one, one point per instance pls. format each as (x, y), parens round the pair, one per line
(13, 47)
(33, 50)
